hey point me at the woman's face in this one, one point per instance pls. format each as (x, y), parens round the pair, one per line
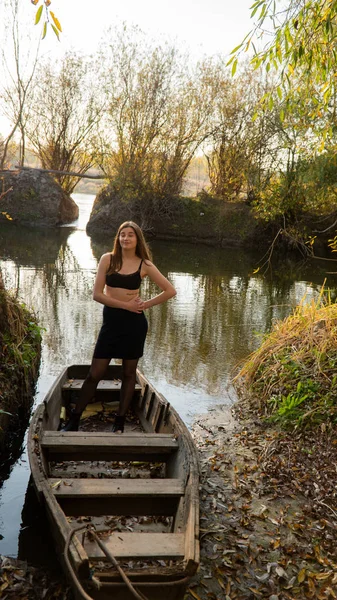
(128, 238)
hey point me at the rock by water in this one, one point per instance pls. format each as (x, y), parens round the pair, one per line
(33, 198)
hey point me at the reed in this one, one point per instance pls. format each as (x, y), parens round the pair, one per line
(292, 377)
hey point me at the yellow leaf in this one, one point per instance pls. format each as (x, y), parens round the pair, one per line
(34, 2)
(56, 484)
(38, 14)
(301, 576)
(44, 30)
(92, 409)
(56, 21)
(55, 31)
(322, 576)
(221, 583)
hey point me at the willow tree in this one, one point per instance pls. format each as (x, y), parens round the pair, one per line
(47, 17)
(64, 117)
(296, 38)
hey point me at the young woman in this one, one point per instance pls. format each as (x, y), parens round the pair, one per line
(124, 328)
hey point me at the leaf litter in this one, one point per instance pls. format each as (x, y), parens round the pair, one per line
(268, 510)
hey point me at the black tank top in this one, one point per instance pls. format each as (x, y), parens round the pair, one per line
(129, 281)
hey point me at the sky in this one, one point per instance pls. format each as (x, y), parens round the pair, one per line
(201, 27)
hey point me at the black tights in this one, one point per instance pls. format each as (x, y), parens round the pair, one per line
(97, 371)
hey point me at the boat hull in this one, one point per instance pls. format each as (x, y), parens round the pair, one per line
(142, 506)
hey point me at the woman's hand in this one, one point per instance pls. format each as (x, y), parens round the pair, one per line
(135, 305)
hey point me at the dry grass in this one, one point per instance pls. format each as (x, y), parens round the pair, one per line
(292, 376)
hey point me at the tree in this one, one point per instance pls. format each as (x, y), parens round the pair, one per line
(158, 110)
(65, 113)
(17, 68)
(301, 41)
(243, 148)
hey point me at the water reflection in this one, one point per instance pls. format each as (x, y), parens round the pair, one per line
(194, 341)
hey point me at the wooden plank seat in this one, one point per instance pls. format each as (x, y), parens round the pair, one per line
(65, 446)
(108, 390)
(135, 545)
(98, 497)
(105, 385)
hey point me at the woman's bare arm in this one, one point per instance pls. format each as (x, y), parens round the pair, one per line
(168, 291)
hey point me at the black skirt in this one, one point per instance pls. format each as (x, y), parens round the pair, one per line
(122, 334)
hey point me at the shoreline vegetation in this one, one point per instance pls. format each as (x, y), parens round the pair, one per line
(20, 349)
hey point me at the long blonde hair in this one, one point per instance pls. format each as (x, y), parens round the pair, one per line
(142, 249)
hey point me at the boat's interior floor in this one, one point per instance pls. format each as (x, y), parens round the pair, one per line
(92, 476)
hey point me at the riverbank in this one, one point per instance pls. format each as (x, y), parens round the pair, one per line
(20, 349)
(268, 518)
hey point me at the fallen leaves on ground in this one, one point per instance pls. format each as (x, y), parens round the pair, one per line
(268, 520)
(18, 580)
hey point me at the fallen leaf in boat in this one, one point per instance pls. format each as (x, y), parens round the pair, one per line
(92, 409)
(56, 484)
(301, 575)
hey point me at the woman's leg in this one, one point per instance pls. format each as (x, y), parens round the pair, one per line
(128, 384)
(127, 391)
(97, 371)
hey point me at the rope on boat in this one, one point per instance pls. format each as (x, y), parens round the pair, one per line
(110, 556)
(137, 595)
(70, 567)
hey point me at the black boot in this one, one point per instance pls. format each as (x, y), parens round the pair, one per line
(118, 424)
(73, 423)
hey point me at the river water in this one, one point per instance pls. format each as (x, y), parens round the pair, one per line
(194, 342)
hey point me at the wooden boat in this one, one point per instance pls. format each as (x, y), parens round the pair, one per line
(123, 508)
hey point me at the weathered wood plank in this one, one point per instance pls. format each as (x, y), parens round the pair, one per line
(117, 496)
(95, 488)
(139, 545)
(62, 446)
